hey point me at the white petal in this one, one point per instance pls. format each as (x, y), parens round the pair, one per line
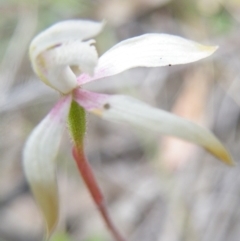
(58, 65)
(149, 50)
(77, 53)
(63, 32)
(134, 112)
(39, 160)
(61, 78)
(60, 46)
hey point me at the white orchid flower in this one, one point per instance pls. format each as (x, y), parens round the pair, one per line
(64, 58)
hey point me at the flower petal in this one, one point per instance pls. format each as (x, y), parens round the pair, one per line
(38, 160)
(60, 46)
(61, 78)
(76, 53)
(134, 112)
(149, 50)
(64, 31)
(61, 63)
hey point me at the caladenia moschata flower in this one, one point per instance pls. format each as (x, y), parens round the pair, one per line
(64, 58)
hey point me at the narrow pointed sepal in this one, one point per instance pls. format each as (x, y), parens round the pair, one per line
(39, 161)
(128, 110)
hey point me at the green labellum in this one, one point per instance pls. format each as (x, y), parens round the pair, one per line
(77, 123)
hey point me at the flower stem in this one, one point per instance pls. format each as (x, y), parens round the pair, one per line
(90, 180)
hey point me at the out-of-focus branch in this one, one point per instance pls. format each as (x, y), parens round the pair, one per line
(16, 50)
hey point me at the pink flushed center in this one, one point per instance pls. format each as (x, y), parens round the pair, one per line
(85, 78)
(90, 100)
(61, 108)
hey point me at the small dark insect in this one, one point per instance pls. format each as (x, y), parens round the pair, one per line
(106, 106)
(169, 65)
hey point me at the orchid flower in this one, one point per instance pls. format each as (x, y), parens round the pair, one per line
(64, 57)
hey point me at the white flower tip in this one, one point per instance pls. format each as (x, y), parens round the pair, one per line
(207, 49)
(49, 205)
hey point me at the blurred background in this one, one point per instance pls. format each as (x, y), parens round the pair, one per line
(156, 188)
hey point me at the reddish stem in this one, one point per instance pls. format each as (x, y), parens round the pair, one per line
(90, 180)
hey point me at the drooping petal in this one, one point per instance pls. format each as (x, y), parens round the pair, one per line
(134, 112)
(64, 31)
(39, 160)
(149, 50)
